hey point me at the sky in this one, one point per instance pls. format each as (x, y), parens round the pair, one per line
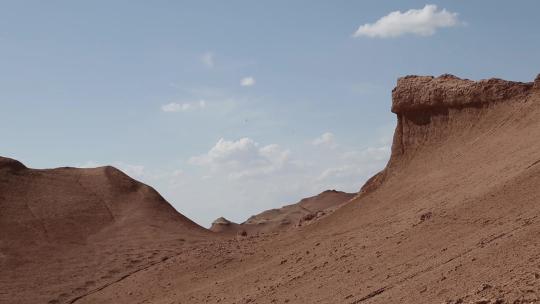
(229, 108)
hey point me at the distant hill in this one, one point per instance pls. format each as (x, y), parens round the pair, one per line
(294, 215)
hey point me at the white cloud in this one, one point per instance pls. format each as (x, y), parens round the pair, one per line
(243, 158)
(182, 107)
(340, 171)
(247, 81)
(208, 59)
(423, 22)
(326, 139)
(247, 177)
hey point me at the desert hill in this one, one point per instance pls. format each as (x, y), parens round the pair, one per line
(61, 219)
(68, 205)
(304, 212)
(453, 218)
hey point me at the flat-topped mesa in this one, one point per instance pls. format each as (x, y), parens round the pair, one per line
(430, 110)
(421, 93)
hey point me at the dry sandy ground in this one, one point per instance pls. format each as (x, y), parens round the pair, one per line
(454, 218)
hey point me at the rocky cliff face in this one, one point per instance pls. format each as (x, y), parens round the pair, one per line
(428, 93)
(433, 109)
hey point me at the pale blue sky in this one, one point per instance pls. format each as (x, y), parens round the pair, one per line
(86, 83)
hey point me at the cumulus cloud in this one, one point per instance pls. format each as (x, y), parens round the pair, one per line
(423, 22)
(208, 59)
(326, 139)
(182, 107)
(247, 177)
(339, 166)
(243, 158)
(247, 81)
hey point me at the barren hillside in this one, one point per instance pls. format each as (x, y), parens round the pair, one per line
(68, 231)
(453, 218)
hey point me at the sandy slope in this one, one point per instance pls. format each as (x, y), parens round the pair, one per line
(454, 218)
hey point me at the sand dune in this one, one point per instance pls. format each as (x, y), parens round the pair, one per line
(453, 218)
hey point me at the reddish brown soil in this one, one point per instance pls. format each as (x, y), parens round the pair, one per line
(67, 231)
(453, 218)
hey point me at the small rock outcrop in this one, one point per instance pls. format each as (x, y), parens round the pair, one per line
(221, 221)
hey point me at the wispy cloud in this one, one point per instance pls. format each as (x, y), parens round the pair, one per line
(208, 59)
(326, 139)
(356, 164)
(423, 22)
(182, 107)
(247, 81)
